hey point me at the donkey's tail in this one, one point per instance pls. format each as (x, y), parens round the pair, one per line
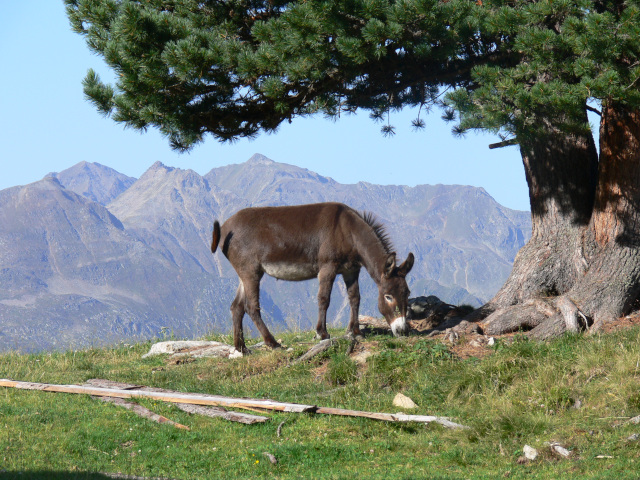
(216, 237)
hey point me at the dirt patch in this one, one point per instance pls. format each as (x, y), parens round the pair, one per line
(320, 371)
(477, 346)
(629, 321)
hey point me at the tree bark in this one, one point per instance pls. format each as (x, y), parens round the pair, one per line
(561, 171)
(582, 267)
(612, 284)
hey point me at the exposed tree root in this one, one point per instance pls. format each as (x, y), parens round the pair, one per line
(541, 267)
(540, 318)
(523, 317)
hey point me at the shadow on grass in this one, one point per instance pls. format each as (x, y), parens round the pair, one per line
(50, 475)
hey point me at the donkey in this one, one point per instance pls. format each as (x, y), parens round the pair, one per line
(301, 242)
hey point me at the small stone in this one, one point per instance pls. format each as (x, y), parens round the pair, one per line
(235, 354)
(560, 450)
(271, 457)
(491, 342)
(633, 438)
(451, 335)
(403, 401)
(361, 358)
(635, 420)
(529, 452)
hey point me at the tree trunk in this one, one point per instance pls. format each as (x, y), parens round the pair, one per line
(611, 286)
(596, 262)
(561, 172)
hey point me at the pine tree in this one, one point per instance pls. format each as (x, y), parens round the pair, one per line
(526, 70)
(234, 68)
(583, 258)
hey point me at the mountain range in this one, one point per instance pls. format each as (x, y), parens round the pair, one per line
(89, 256)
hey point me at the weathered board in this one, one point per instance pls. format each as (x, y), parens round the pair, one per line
(133, 391)
(208, 411)
(197, 399)
(142, 411)
(390, 417)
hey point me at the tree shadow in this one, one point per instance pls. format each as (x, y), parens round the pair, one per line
(55, 475)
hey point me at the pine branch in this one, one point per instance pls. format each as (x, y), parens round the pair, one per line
(594, 110)
(506, 143)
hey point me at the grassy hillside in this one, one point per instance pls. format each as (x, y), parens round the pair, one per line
(577, 391)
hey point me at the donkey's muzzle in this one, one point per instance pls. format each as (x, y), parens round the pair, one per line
(399, 326)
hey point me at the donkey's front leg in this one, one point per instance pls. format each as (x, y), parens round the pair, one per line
(325, 279)
(353, 292)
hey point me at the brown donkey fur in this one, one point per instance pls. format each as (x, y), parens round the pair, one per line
(302, 242)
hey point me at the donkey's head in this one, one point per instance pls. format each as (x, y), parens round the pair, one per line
(393, 297)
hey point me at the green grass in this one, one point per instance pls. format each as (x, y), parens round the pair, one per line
(523, 393)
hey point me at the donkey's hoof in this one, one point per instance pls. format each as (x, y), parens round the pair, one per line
(322, 336)
(239, 352)
(357, 336)
(274, 345)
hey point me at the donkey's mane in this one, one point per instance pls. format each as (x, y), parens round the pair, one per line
(379, 229)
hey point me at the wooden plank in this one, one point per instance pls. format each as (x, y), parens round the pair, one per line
(197, 399)
(390, 417)
(215, 400)
(317, 349)
(142, 411)
(209, 411)
(220, 412)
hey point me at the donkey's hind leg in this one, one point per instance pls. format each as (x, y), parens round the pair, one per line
(237, 314)
(252, 306)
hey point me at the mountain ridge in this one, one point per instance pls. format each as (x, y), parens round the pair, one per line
(94, 181)
(76, 271)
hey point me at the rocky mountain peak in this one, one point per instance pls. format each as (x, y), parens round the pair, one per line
(259, 159)
(94, 181)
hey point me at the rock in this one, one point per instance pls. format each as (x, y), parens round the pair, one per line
(421, 307)
(431, 310)
(271, 458)
(361, 357)
(172, 347)
(236, 354)
(403, 401)
(530, 453)
(491, 342)
(633, 438)
(634, 420)
(193, 348)
(560, 450)
(451, 336)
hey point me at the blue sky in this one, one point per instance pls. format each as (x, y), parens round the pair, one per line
(46, 125)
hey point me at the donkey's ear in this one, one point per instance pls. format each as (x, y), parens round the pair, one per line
(390, 264)
(406, 266)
